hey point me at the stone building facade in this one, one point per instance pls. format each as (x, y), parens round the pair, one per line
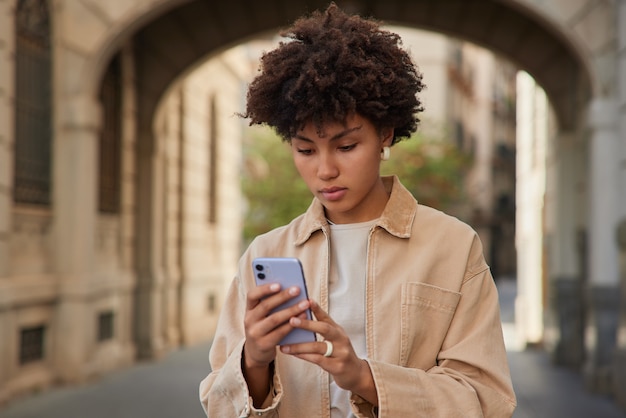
(138, 261)
(470, 102)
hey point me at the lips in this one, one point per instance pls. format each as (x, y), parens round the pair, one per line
(333, 193)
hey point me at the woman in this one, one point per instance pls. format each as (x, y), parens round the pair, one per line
(406, 311)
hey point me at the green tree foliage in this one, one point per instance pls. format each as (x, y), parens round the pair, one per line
(431, 169)
(271, 185)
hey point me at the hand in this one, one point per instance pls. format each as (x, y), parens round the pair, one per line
(263, 332)
(264, 329)
(348, 370)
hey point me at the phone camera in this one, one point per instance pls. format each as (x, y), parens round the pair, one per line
(259, 268)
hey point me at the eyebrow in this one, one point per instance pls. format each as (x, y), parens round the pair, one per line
(334, 137)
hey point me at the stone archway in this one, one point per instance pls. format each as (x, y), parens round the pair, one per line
(553, 43)
(174, 42)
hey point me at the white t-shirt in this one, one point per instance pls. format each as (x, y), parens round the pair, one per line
(348, 255)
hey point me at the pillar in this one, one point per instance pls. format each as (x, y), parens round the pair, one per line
(619, 381)
(619, 361)
(149, 300)
(565, 286)
(150, 276)
(531, 137)
(74, 213)
(7, 135)
(600, 340)
(7, 130)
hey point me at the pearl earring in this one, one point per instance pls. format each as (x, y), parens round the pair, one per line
(384, 155)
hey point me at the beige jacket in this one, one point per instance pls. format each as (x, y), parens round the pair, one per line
(434, 337)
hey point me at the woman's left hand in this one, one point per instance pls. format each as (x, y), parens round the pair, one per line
(348, 370)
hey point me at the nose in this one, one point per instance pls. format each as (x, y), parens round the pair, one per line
(327, 167)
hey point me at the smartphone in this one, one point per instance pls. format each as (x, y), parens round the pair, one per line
(287, 272)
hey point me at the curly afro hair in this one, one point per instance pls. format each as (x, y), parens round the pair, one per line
(334, 65)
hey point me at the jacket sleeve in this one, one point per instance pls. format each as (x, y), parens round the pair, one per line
(471, 377)
(224, 392)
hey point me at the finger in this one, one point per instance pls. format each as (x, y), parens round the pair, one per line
(257, 293)
(282, 316)
(324, 328)
(319, 313)
(318, 348)
(269, 298)
(267, 331)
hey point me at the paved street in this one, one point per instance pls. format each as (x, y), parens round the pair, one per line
(168, 389)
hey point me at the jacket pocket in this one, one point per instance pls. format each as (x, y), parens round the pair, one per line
(426, 315)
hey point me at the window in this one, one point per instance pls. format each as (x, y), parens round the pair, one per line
(105, 326)
(33, 124)
(213, 159)
(110, 140)
(459, 135)
(32, 344)
(211, 303)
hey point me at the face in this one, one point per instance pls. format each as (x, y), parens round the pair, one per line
(341, 167)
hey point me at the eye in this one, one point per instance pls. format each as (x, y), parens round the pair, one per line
(304, 151)
(347, 147)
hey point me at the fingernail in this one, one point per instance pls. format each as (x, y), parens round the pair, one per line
(293, 291)
(284, 349)
(274, 287)
(295, 321)
(303, 305)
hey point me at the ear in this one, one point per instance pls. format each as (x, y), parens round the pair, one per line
(386, 135)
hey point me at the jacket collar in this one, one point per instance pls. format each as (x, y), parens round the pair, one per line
(397, 217)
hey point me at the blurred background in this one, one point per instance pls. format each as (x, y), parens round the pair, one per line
(129, 186)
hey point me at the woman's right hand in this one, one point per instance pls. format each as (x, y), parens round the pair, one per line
(264, 329)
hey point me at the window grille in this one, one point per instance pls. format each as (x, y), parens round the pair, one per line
(105, 326)
(32, 344)
(110, 139)
(33, 124)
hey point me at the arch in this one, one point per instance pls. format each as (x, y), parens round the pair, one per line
(120, 31)
(171, 36)
(172, 43)
(524, 35)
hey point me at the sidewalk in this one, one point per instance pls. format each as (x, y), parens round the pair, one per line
(543, 390)
(165, 389)
(169, 388)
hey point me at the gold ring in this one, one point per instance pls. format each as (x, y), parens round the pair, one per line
(329, 349)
